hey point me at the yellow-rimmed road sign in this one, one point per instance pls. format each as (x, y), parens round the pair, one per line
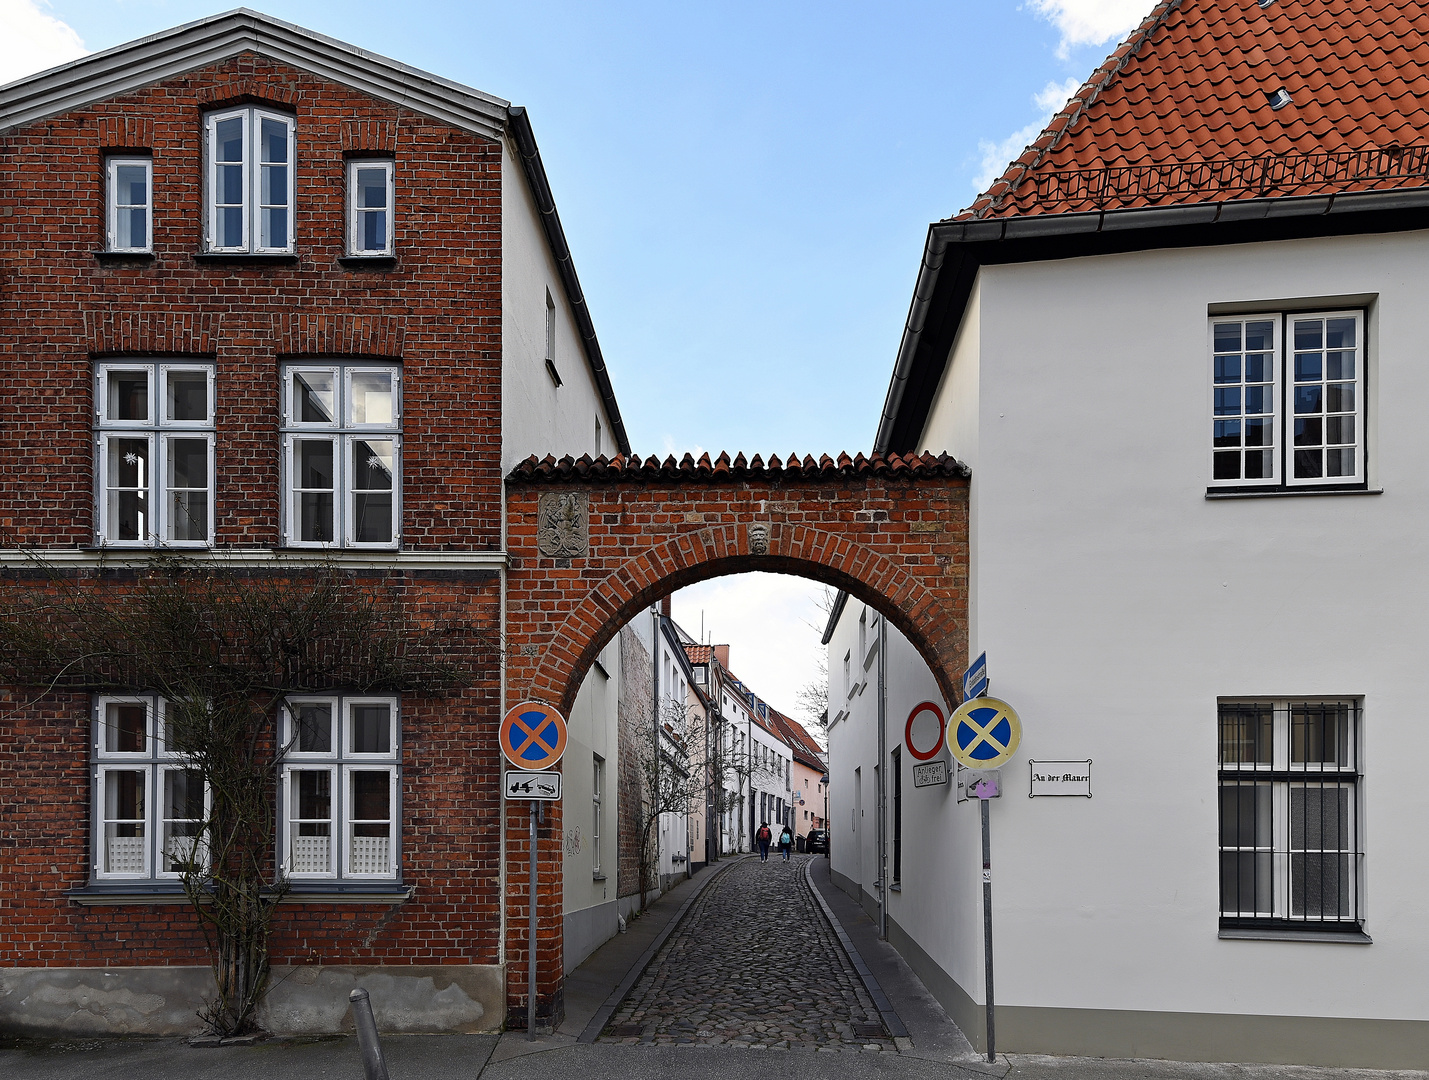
(984, 733)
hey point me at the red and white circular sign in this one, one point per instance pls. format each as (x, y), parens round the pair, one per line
(923, 734)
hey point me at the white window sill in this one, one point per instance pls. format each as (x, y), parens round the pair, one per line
(1281, 493)
(1324, 937)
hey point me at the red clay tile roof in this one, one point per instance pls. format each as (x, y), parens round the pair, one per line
(796, 736)
(1181, 112)
(699, 654)
(635, 467)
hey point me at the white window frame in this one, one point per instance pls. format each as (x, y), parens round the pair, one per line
(113, 205)
(252, 117)
(1279, 773)
(344, 434)
(597, 799)
(355, 213)
(159, 433)
(1283, 397)
(153, 762)
(341, 763)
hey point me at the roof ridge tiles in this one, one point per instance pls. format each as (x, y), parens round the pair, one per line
(633, 467)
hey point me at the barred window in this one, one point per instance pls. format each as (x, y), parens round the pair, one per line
(1289, 814)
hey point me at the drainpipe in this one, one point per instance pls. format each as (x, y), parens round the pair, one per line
(882, 780)
(655, 709)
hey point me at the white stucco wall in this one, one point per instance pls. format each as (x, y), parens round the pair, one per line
(537, 417)
(1116, 604)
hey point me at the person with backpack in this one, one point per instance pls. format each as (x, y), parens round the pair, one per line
(763, 836)
(786, 841)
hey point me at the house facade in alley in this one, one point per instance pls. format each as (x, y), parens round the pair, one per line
(273, 305)
(1179, 345)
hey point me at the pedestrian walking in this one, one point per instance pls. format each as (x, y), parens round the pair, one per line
(786, 841)
(763, 836)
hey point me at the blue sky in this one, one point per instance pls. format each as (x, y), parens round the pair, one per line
(745, 186)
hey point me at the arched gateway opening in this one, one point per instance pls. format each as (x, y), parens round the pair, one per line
(592, 542)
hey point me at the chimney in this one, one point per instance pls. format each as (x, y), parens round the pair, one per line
(665, 607)
(722, 655)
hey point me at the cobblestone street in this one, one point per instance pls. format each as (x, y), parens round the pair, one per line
(755, 964)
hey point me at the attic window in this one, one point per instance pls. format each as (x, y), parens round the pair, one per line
(1278, 99)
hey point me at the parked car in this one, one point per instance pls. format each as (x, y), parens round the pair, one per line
(817, 842)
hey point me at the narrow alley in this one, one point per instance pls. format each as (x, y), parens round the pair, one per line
(754, 962)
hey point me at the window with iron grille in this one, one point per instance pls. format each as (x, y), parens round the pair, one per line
(1289, 814)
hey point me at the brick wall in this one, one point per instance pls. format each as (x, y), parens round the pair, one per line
(438, 310)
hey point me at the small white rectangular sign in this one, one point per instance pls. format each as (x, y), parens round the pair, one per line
(532, 785)
(1061, 778)
(930, 774)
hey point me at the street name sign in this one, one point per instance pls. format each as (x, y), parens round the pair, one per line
(983, 733)
(1066, 778)
(533, 735)
(975, 679)
(532, 785)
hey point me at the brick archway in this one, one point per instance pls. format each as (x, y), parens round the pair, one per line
(592, 542)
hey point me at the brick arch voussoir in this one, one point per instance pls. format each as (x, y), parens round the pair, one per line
(929, 622)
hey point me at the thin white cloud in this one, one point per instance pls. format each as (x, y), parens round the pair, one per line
(997, 156)
(32, 40)
(1091, 22)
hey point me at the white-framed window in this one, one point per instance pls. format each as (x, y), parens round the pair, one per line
(1289, 813)
(371, 204)
(154, 453)
(150, 806)
(340, 792)
(249, 180)
(597, 796)
(129, 203)
(1287, 400)
(342, 450)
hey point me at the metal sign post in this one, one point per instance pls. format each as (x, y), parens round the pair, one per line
(533, 738)
(987, 926)
(983, 734)
(531, 929)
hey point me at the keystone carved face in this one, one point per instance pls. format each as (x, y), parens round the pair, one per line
(759, 538)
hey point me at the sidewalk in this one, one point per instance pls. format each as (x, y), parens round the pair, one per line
(933, 1049)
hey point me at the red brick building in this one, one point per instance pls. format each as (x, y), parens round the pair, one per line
(271, 300)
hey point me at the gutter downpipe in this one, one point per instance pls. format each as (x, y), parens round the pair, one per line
(934, 250)
(882, 781)
(655, 710)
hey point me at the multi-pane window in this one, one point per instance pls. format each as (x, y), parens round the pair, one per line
(150, 807)
(340, 786)
(1287, 400)
(250, 181)
(370, 201)
(154, 445)
(1289, 828)
(129, 204)
(342, 444)
(597, 795)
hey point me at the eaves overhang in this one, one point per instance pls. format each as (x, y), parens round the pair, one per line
(955, 250)
(212, 40)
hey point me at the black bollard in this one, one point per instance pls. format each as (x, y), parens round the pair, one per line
(373, 1067)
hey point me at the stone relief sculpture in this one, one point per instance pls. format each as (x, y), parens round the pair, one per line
(561, 525)
(759, 538)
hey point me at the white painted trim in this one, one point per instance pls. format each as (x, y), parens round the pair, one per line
(242, 558)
